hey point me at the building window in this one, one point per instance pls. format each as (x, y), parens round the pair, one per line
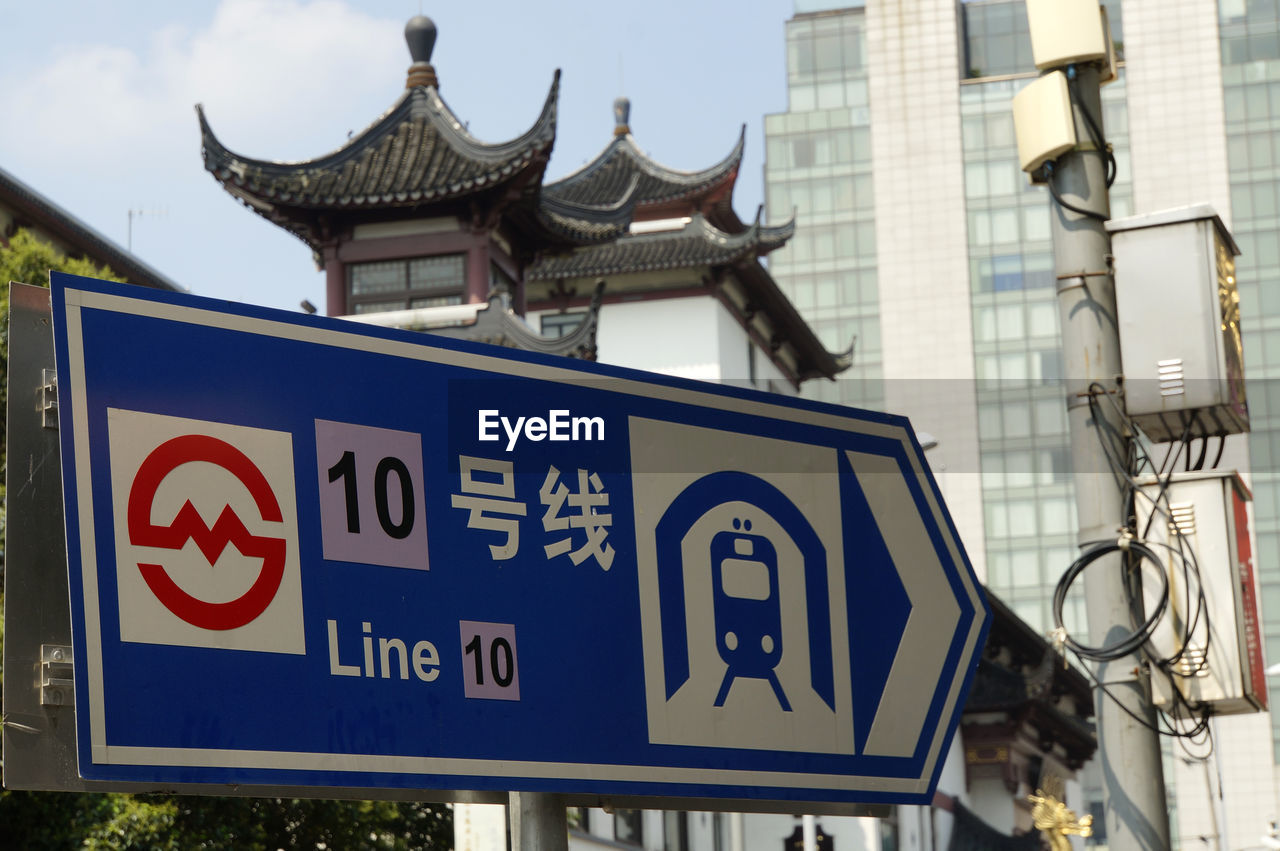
(628, 826)
(557, 325)
(675, 831)
(399, 284)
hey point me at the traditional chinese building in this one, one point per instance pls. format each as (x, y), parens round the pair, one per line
(685, 242)
(1026, 725)
(414, 212)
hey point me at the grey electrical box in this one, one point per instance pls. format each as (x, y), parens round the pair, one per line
(1179, 315)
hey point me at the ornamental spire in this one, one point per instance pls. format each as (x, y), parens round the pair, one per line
(420, 33)
(621, 115)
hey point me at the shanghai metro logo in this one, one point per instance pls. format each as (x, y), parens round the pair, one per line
(188, 525)
(206, 534)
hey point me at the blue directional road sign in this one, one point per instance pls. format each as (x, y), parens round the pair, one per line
(305, 552)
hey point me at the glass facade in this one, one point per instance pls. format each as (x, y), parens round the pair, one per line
(997, 38)
(818, 165)
(818, 168)
(1250, 34)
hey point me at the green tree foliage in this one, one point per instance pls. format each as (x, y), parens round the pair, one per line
(27, 260)
(52, 821)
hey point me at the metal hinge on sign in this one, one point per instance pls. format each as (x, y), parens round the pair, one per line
(56, 685)
(49, 398)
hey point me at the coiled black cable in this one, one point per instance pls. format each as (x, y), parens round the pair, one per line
(1136, 639)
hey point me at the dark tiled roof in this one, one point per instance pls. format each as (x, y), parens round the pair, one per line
(698, 243)
(606, 178)
(497, 324)
(789, 327)
(417, 152)
(570, 224)
(36, 209)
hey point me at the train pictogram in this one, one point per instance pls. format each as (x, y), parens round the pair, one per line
(747, 608)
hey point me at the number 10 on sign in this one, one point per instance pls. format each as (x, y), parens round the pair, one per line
(489, 668)
(371, 495)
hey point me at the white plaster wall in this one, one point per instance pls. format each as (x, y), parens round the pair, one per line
(733, 340)
(678, 336)
(694, 337)
(671, 336)
(926, 324)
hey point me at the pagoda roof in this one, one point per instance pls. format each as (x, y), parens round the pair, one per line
(696, 243)
(605, 179)
(762, 295)
(418, 153)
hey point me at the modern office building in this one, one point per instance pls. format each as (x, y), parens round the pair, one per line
(917, 232)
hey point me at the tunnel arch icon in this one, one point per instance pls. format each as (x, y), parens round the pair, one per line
(680, 517)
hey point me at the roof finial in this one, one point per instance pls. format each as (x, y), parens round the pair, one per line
(621, 115)
(420, 33)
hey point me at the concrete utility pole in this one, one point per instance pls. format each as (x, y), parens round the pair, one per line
(1136, 814)
(538, 822)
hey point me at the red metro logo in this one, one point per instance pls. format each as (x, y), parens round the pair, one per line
(206, 533)
(190, 526)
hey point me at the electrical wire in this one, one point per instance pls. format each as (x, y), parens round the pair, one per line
(1100, 144)
(1065, 204)
(1131, 643)
(1222, 445)
(1182, 718)
(1095, 132)
(1204, 453)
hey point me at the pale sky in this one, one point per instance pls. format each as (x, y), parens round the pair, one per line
(98, 103)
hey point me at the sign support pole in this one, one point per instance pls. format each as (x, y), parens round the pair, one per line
(1129, 748)
(538, 822)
